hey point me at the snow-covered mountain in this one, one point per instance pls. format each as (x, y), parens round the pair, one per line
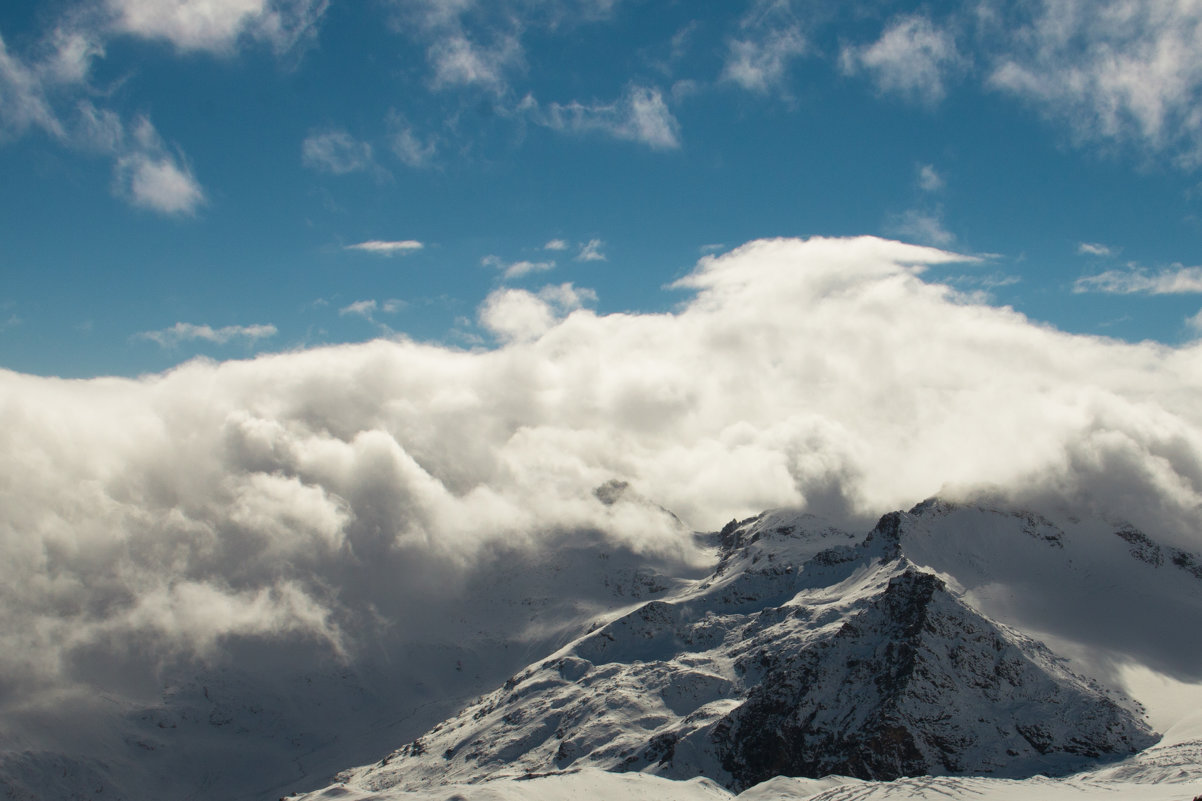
(810, 651)
(976, 643)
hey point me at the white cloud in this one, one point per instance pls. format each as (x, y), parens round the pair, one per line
(368, 308)
(591, 251)
(380, 247)
(1114, 70)
(913, 58)
(515, 315)
(217, 25)
(25, 87)
(148, 175)
(1094, 249)
(640, 115)
(929, 179)
(338, 153)
(146, 172)
(1195, 322)
(457, 61)
(923, 226)
(312, 503)
(188, 332)
(770, 38)
(407, 146)
(517, 269)
(556, 244)
(1175, 281)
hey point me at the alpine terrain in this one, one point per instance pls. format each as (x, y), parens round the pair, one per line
(816, 662)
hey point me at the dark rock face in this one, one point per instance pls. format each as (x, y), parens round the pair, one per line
(918, 684)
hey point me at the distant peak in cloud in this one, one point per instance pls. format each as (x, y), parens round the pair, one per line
(380, 247)
(186, 332)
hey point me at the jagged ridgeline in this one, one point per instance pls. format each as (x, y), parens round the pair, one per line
(812, 651)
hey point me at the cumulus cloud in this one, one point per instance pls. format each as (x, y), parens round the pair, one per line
(1114, 70)
(330, 499)
(1175, 281)
(189, 332)
(392, 247)
(515, 315)
(640, 115)
(913, 58)
(556, 244)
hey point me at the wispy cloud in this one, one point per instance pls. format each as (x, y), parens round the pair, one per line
(770, 37)
(922, 226)
(1094, 249)
(367, 309)
(1177, 280)
(458, 61)
(929, 179)
(913, 58)
(556, 244)
(411, 149)
(188, 332)
(1116, 70)
(338, 153)
(146, 172)
(401, 247)
(591, 251)
(640, 115)
(516, 269)
(150, 176)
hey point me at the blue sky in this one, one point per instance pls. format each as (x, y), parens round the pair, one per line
(185, 178)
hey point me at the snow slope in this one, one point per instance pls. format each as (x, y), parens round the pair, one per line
(813, 651)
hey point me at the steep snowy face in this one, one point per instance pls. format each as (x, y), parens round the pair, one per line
(1113, 593)
(808, 651)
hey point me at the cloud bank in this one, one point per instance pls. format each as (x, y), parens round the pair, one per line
(320, 497)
